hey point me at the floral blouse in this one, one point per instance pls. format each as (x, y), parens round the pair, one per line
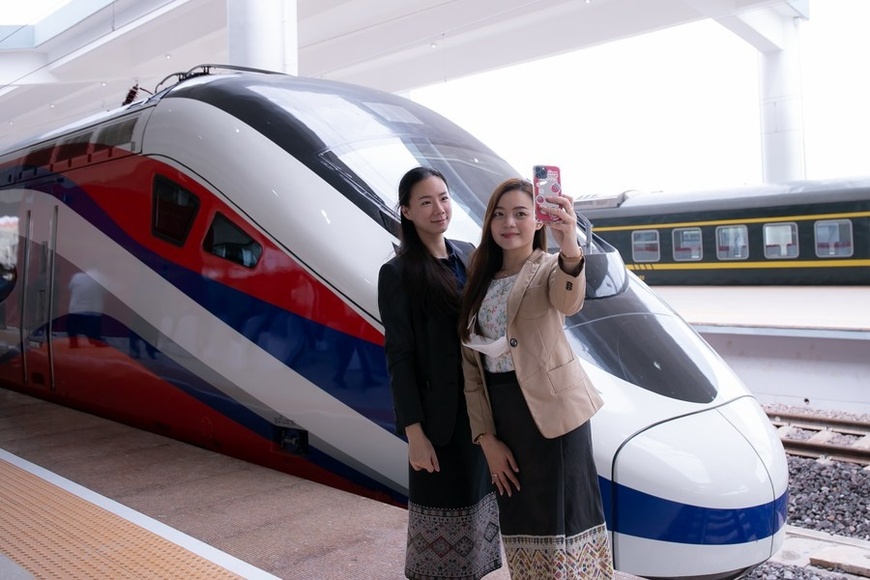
(492, 319)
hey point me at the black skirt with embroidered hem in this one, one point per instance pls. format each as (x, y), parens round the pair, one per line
(453, 530)
(554, 526)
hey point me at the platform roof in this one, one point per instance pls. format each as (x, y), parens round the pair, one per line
(84, 56)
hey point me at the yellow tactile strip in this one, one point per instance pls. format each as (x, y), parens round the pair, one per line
(53, 533)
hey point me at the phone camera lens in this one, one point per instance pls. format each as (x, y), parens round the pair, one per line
(540, 172)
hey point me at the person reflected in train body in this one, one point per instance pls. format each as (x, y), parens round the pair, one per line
(528, 398)
(85, 308)
(450, 500)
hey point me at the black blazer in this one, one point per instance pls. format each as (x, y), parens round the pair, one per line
(423, 354)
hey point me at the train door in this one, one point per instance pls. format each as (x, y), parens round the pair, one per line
(40, 227)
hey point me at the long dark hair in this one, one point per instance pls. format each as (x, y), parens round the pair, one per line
(426, 277)
(487, 258)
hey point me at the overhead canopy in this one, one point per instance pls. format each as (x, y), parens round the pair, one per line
(85, 57)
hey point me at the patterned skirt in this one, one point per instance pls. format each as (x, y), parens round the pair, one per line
(453, 514)
(554, 526)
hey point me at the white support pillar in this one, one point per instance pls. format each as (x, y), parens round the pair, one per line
(258, 34)
(781, 102)
(774, 32)
(290, 25)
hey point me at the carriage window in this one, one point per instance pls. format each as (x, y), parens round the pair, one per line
(731, 242)
(645, 246)
(833, 238)
(116, 135)
(227, 240)
(173, 211)
(780, 241)
(73, 147)
(687, 244)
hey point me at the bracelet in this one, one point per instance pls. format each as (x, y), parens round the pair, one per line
(570, 258)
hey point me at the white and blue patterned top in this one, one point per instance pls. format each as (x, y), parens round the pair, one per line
(492, 319)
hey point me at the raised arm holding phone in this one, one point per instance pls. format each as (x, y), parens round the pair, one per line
(529, 399)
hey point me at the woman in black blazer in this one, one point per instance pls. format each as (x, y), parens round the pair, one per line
(450, 500)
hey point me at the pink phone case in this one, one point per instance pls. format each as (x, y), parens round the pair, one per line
(546, 181)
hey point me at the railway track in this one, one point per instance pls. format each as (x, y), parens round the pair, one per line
(814, 436)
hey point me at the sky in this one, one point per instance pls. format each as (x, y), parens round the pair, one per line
(672, 110)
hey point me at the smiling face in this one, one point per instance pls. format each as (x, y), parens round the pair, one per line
(513, 225)
(429, 208)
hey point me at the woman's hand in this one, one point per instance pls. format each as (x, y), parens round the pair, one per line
(564, 230)
(421, 454)
(502, 466)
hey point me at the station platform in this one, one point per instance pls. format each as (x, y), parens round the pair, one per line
(823, 311)
(84, 497)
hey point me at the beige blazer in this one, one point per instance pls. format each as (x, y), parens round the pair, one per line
(557, 390)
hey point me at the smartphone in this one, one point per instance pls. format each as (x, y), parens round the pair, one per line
(547, 181)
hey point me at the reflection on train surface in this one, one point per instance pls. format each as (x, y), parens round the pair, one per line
(809, 233)
(203, 263)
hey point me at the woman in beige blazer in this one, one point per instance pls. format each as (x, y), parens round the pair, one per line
(529, 400)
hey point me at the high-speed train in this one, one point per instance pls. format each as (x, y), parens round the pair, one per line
(203, 263)
(798, 233)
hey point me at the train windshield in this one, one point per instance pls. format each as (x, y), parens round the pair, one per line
(633, 337)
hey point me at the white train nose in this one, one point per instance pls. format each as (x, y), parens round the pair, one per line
(711, 486)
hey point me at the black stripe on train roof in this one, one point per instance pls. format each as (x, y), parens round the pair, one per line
(234, 94)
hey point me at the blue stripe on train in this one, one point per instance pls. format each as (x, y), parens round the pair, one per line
(646, 516)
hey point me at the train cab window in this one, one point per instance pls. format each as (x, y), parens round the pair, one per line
(173, 211)
(687, 244)
(227, 240)
(645, 246)
(780, 241)
(833, 238)
(731, 242)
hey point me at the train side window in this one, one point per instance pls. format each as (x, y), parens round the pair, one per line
(227, 240)
(833, 238)
(687, 244)
(173, 211)
(780, 241)
(645, 246)
(731, 242)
